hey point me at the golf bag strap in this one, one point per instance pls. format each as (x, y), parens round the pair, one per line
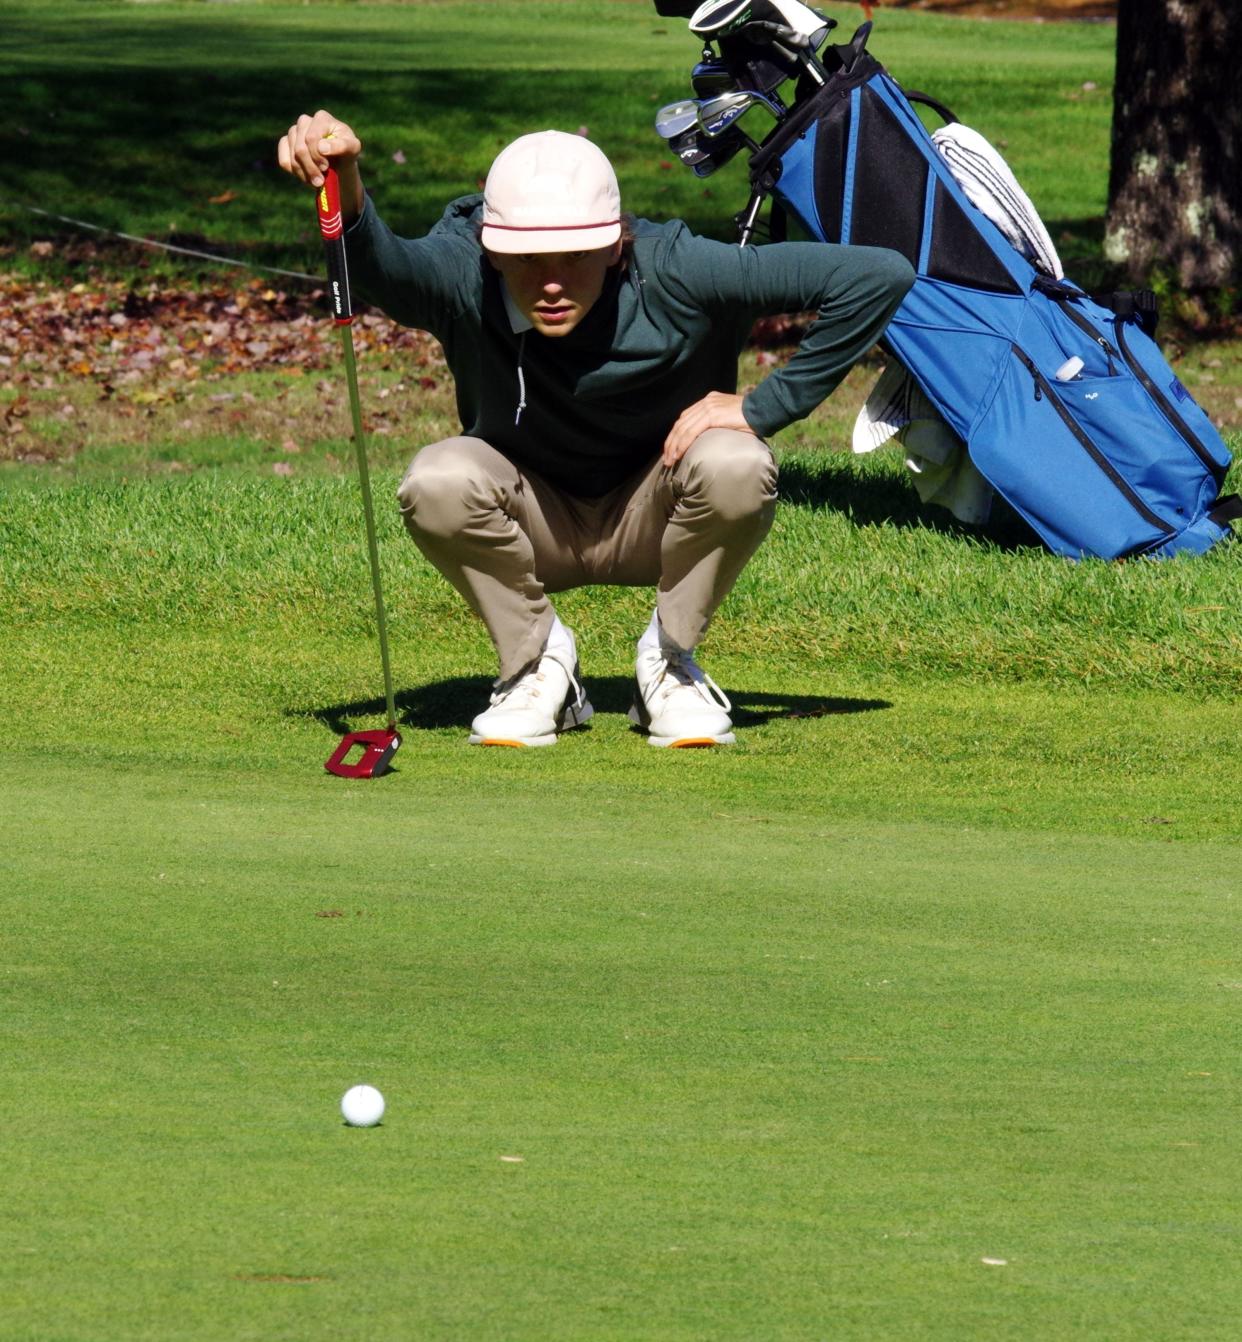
(1138, 305)
(914, 96)
(1060, 290)
(1227, 508)
(767, 159)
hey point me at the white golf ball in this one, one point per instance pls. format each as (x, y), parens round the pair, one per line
(362, 1106)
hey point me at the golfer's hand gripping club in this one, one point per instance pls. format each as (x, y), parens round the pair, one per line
(331, 226)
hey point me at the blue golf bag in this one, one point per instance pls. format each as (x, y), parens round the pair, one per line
(1065, 403)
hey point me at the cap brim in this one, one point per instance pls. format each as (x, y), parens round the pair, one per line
(519, 241)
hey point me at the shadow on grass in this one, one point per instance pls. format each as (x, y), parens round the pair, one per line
(212, 183)
(452, 703)
(837, 481)
(138, 82)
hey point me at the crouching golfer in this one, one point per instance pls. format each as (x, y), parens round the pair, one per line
(595, 361)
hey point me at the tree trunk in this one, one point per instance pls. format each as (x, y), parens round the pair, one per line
(1175, 180)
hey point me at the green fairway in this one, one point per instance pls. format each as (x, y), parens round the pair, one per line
(912, 1015)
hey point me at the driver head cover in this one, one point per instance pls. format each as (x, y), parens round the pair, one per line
(550, 192)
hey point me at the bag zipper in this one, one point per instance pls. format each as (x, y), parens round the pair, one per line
(1044, 388)
(1215, 469)
(1065, 301)
(1090, 332)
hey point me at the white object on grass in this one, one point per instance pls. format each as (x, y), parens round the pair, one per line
(362, 1106)
(936, 458)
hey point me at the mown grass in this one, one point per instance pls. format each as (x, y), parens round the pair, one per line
(766, 1075)
(852, 572)
(878, 665)
(189, 100)
(912, 1011)
(913, 1014)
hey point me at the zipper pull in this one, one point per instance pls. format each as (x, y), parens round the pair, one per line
(1108, 355)
(1029, 364)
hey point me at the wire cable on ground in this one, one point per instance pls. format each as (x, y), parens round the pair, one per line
(169, 247)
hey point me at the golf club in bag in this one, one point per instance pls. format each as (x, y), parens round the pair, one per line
(1063, 402)
(378, 747)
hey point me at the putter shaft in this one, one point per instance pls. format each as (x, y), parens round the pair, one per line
(364, 479)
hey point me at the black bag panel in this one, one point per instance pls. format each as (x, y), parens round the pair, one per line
(890, 183)
(832, 137)
(959, 254)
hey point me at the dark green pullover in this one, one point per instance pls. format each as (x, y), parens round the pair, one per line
(588, 409)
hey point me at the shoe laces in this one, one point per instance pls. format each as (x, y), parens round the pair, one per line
(530, 685)
(681, 672)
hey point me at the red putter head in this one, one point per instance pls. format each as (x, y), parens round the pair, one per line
(378, 748)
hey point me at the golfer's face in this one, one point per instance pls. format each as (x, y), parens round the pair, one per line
(556, 290)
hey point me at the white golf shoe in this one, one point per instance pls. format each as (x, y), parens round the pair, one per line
(678, 703)
(535, 708)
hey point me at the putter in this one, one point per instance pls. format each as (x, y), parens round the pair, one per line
(378, 747)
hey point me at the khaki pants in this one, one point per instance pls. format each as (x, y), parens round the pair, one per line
(504, 537)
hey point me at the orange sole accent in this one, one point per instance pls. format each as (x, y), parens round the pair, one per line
(692, 743)
(500, 741)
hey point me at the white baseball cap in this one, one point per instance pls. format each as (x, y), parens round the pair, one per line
(551, 192)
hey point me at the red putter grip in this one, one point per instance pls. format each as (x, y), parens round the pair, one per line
(328, 206)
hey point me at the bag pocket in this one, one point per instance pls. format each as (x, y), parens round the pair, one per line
(1030, 446)
(1184, 415)
(1116, 413)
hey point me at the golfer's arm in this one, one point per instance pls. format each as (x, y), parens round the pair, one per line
(418, 282)
(854, 292)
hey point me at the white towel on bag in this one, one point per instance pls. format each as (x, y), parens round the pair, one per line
(990, 186)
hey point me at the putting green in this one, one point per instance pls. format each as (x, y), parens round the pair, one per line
(652, 1070)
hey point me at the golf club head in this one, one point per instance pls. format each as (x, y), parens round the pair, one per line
(677, 117)
(711, 78)
(747, 32)
(378, 748)
(718, 18)
(692, 147)
(722, 149)
(717, 114)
